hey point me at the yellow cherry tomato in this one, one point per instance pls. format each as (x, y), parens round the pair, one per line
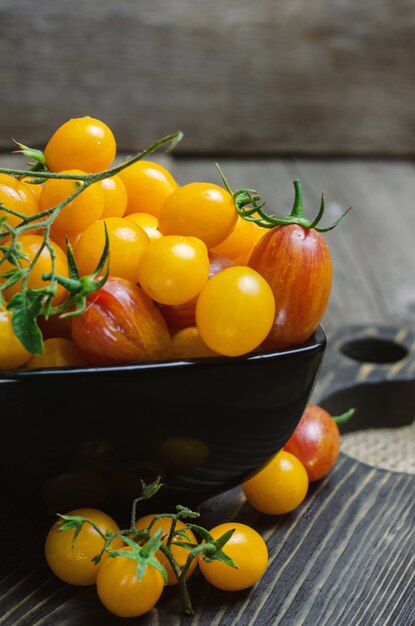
(73, 564)
(148, 185)
(240, 241)
(148, 222)
(60, 238)
(12, 353)
(115, 197)
(127, 243)
(249, 551)
(57, 352)
(173, 270)
(17, 196)
(34, 188)
(180, 554)
(202, 210)
(30, 247)
(279, 487)
(188, 344)
(83, 142)
(76, 216)
(235, 311)
(122, 593)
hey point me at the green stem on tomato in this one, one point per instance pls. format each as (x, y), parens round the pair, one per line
(344, 417)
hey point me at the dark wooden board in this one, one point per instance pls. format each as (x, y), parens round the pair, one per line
(236, 76)
(345, 557)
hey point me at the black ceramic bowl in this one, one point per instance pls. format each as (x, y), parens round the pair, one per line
(75, 437)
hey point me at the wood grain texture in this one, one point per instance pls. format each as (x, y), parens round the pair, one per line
(347, 556)
(237, 77)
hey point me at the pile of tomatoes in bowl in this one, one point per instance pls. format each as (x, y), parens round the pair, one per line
(135, 267)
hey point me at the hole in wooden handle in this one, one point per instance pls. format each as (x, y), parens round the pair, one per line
(374, 350)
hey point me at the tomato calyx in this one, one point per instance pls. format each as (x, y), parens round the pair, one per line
(39, 160)
(249, 206)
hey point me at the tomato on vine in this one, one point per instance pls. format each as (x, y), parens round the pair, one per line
(12, 352)
(249, 551)
(72, 560)
(120, 590)
(30, 247)
(82, 211)
(180, 554)
(17, 196)
(84, 143)
(127, 242)
(295, 260)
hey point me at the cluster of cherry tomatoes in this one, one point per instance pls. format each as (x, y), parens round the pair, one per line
(71, 552)
(189, 277)
(276, 489)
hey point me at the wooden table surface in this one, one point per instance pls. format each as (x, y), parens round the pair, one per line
(374, 268)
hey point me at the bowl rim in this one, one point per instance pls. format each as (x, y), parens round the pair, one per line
(316, 342)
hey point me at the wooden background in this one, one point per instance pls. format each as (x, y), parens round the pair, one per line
(237, 77)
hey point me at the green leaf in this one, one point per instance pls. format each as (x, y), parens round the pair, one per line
(26, 308)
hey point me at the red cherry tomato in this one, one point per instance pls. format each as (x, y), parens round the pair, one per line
(296, 263)
(315, 442)
(121, 324)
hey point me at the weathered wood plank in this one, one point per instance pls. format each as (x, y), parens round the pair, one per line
(237, 77)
